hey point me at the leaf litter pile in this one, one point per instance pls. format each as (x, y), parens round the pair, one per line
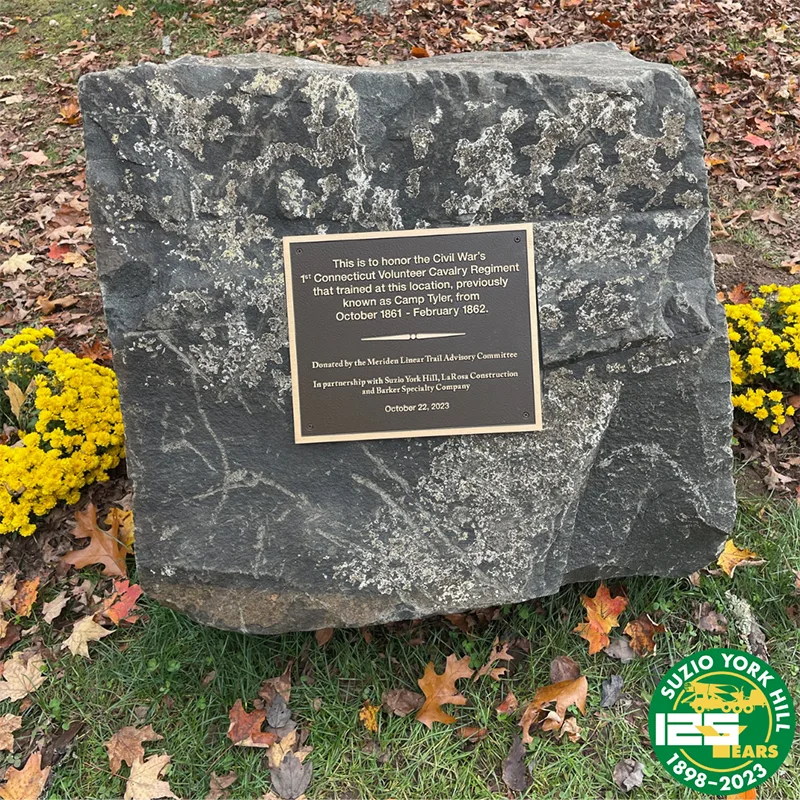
(743, 62)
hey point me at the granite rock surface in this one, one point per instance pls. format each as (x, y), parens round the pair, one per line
(198, 168)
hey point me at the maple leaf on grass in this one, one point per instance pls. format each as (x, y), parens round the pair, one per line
(642, 630)
(144, 784)
(20, 678)
(26, 783)
(219, 785)
(53, 608)
(564, 694)
(291, 778)
(441, 689)
(245, 727)
(281, 685)
(84, 631)
(126, 745)
(732, 557)
(26, 597)
(8, 591)
(122, 603)
(105, 547)
(8, 724)
(602, 613)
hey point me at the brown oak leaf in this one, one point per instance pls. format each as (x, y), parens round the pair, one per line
(441, 689)
(564, 694)
(497, 654)
(602, 613)
(105, 547)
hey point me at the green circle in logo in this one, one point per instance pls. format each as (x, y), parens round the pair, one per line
(721, 721)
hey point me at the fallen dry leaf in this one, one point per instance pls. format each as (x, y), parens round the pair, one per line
(571, 729)
(739, 295)
(8, 590)
(710, 620)
(642, 630)
(53, 608)
(402, 702)
(245, 728)
(610, 690)
(70, 113)
(732, 557)
(472, 734)
(509, 705)
(122, 521)
(515, 775)
(21, 677)
(8, 724)
(602, 613)
(121, 11)
(34, 158)
(144, 784)
(323, 636)
(441, 689)
(281, 685)
(628, 774)
(26, 597)
(126, 596)
(620, 648)
(564, 668)
(369, 716)
(19, 262)
(105, 547)
(126, 745)
(84, 631)
(497, 654)
(218, 788)
(291, 778)
(564, 694)
(26, 783)
(278, 751)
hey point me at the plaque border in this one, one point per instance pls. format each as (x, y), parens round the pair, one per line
(301, 438)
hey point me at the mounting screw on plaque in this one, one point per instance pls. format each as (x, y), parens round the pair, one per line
(310, 426)
(526, 414)
(517, 239)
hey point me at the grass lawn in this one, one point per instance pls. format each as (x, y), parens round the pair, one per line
(157, 673)
(182, 678)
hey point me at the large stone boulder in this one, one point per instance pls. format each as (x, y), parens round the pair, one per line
(198, 168)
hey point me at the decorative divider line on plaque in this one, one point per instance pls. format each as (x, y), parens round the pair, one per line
(398, 337)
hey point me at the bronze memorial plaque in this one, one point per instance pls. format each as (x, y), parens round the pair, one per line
(427, 332)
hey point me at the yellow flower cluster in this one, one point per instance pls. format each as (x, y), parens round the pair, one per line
(765, 353)
(76, 433)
